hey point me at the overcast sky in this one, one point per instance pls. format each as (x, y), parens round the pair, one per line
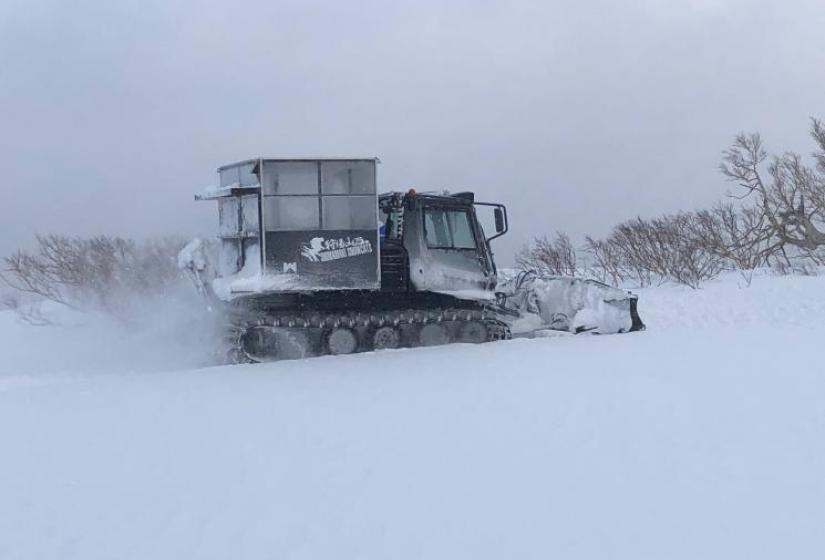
(576, 114)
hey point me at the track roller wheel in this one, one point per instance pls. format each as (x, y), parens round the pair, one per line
(258, 344)
(293, 345)
(474, 332)
(385, 338)
(342, 340)
(433, 334)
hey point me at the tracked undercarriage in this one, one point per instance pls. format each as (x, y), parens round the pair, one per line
(299, 335)
(289, 326)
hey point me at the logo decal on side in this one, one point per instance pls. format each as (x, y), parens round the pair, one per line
(320, 249)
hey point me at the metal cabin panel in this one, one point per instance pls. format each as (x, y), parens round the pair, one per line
(320, 221)
(238, 217)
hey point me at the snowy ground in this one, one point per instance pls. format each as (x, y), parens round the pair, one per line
(703, 437)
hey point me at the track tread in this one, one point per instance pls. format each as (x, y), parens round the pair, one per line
(239, 324)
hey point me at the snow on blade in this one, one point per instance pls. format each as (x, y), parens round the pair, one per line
(566, 304)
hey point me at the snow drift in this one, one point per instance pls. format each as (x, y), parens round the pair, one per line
(699, 438)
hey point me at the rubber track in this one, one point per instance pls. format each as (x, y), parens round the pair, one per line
(313, 322)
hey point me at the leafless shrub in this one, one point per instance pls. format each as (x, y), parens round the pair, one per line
(27, 311)
(664, 248)
(641, 250)
(606, 261)
(693, 260)
(737, 236)
(95, 273)
(635, 243)
(555, 257)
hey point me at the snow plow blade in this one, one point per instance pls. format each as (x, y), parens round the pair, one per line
(574, 305)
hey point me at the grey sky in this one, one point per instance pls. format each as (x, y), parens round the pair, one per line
(575, 114)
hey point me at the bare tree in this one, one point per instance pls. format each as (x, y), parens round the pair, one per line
(788, 195)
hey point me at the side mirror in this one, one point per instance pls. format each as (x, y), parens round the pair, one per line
(499, 217)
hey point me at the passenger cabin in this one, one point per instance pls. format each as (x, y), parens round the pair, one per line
(306, 224)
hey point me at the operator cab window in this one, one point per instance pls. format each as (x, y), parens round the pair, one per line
(448, 229)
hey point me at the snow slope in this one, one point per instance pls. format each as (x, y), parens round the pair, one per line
(703, 437)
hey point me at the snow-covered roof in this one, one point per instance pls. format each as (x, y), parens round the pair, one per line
(298, 159)
(235, 189)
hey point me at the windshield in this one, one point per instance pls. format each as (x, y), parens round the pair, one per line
(448, 229)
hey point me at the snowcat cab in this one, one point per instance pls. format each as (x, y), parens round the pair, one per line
(435, 243)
